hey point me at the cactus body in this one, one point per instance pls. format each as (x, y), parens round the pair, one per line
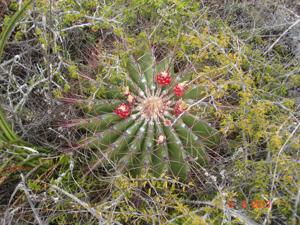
(143, 134)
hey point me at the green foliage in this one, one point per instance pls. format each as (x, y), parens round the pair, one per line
(6, 133)
(247, 89)
(250, 97)
(6, 32)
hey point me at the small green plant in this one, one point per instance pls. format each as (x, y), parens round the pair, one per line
(151, 129)
(21, 155)
(11, 25)
(6, 133)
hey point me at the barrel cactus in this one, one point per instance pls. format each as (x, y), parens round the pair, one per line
(146, 126)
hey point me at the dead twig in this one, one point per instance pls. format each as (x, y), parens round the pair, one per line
(283, 34)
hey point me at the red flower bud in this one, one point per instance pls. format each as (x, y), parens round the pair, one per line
(123, 110)
(179, 89)
(163, 78)
(180, 107)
